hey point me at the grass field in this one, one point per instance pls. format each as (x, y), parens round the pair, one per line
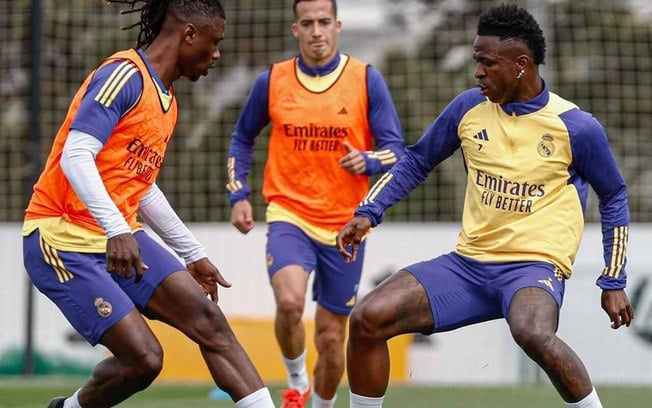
(35, 393)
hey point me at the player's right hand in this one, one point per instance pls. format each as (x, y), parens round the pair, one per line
(123, 254)
(242, 216)
(351, 235)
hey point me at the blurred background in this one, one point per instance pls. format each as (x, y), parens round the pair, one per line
(599, 56)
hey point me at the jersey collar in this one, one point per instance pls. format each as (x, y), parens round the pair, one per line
(533, 105)
(320, 70)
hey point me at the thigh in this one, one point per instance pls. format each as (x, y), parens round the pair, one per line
(456, 290)
(531, 292)
(78, 284)
(160, 262)
(336, 283)
(287, 245)
(398, 305)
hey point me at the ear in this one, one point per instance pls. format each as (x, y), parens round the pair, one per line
(190, 32)
(522, 62)
(295, 30)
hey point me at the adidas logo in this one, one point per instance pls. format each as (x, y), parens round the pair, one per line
(482, 135)
(548, 283)
(343, 111)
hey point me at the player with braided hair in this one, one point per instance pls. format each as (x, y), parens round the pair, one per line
(84, 247)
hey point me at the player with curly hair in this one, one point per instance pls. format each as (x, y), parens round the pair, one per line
(530, 156)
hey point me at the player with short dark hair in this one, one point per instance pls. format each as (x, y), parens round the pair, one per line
(327, 111)
(530, 156)
(84, 247)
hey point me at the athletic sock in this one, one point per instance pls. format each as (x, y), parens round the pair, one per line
(73, 401)
(319, 402)
(358, 401)
(258, 399)
(590, 401)
(297, 373)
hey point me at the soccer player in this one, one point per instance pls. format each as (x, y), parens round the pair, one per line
(326, 109)
(83, 245)
(530, 156)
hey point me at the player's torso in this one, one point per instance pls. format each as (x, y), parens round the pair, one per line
(518, 183)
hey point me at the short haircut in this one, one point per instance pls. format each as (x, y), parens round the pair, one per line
(509, 21)
(294, 6)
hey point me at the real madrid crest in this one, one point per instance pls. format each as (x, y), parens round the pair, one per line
(104, 308)
(545, 148)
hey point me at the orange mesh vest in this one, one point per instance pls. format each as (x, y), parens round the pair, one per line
(302, 173)
(128, 163)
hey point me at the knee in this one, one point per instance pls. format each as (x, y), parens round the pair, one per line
(290, 305)
(532, 338)
(330, 341)
(364, 322)
(147, 367)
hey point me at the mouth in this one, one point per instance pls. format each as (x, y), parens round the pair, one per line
(483, 89)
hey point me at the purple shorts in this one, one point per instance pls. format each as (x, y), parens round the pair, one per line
(92, 299)
(335, 286)
(463, 291)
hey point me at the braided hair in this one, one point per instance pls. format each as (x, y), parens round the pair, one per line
(153, 12)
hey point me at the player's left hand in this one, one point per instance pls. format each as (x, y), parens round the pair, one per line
(617, 305)
(351, 235)
(208, 277)
(353, 161)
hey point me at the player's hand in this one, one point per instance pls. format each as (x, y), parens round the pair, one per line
(242, 216)
(353, 161)
(351, 235)
(208, 277)
(616, 304)
(123, 254)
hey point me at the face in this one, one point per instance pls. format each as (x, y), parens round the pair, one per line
(201, 48)
(316, 29)
(498, 64)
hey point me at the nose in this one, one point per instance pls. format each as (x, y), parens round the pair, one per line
(479, 72)
(216, 55)
(316, 30)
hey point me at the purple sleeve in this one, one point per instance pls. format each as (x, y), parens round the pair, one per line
(438, 142)
(594, 162)
(253, 118)
(113, 91)
(384, 124)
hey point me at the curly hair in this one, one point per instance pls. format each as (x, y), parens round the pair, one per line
(153, 12)
(509, 21)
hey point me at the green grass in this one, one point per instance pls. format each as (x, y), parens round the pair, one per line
(36, 392)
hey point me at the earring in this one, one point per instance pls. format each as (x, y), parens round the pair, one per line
(520, 74)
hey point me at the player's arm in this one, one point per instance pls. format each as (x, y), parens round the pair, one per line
(594, 160)
(95, 121)
(251, 121)
(156, 211)
(385, 126)
(438, 142)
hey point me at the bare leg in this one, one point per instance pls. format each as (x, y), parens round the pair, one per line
(290, 285)
(397, 306)
(136, 361)
(533, 317)
(330, 331)
(180, 302)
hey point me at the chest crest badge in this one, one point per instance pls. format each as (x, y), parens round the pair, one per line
(545, 147)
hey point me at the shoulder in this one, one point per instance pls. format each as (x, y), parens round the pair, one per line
(464, 102)
(578, 122)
